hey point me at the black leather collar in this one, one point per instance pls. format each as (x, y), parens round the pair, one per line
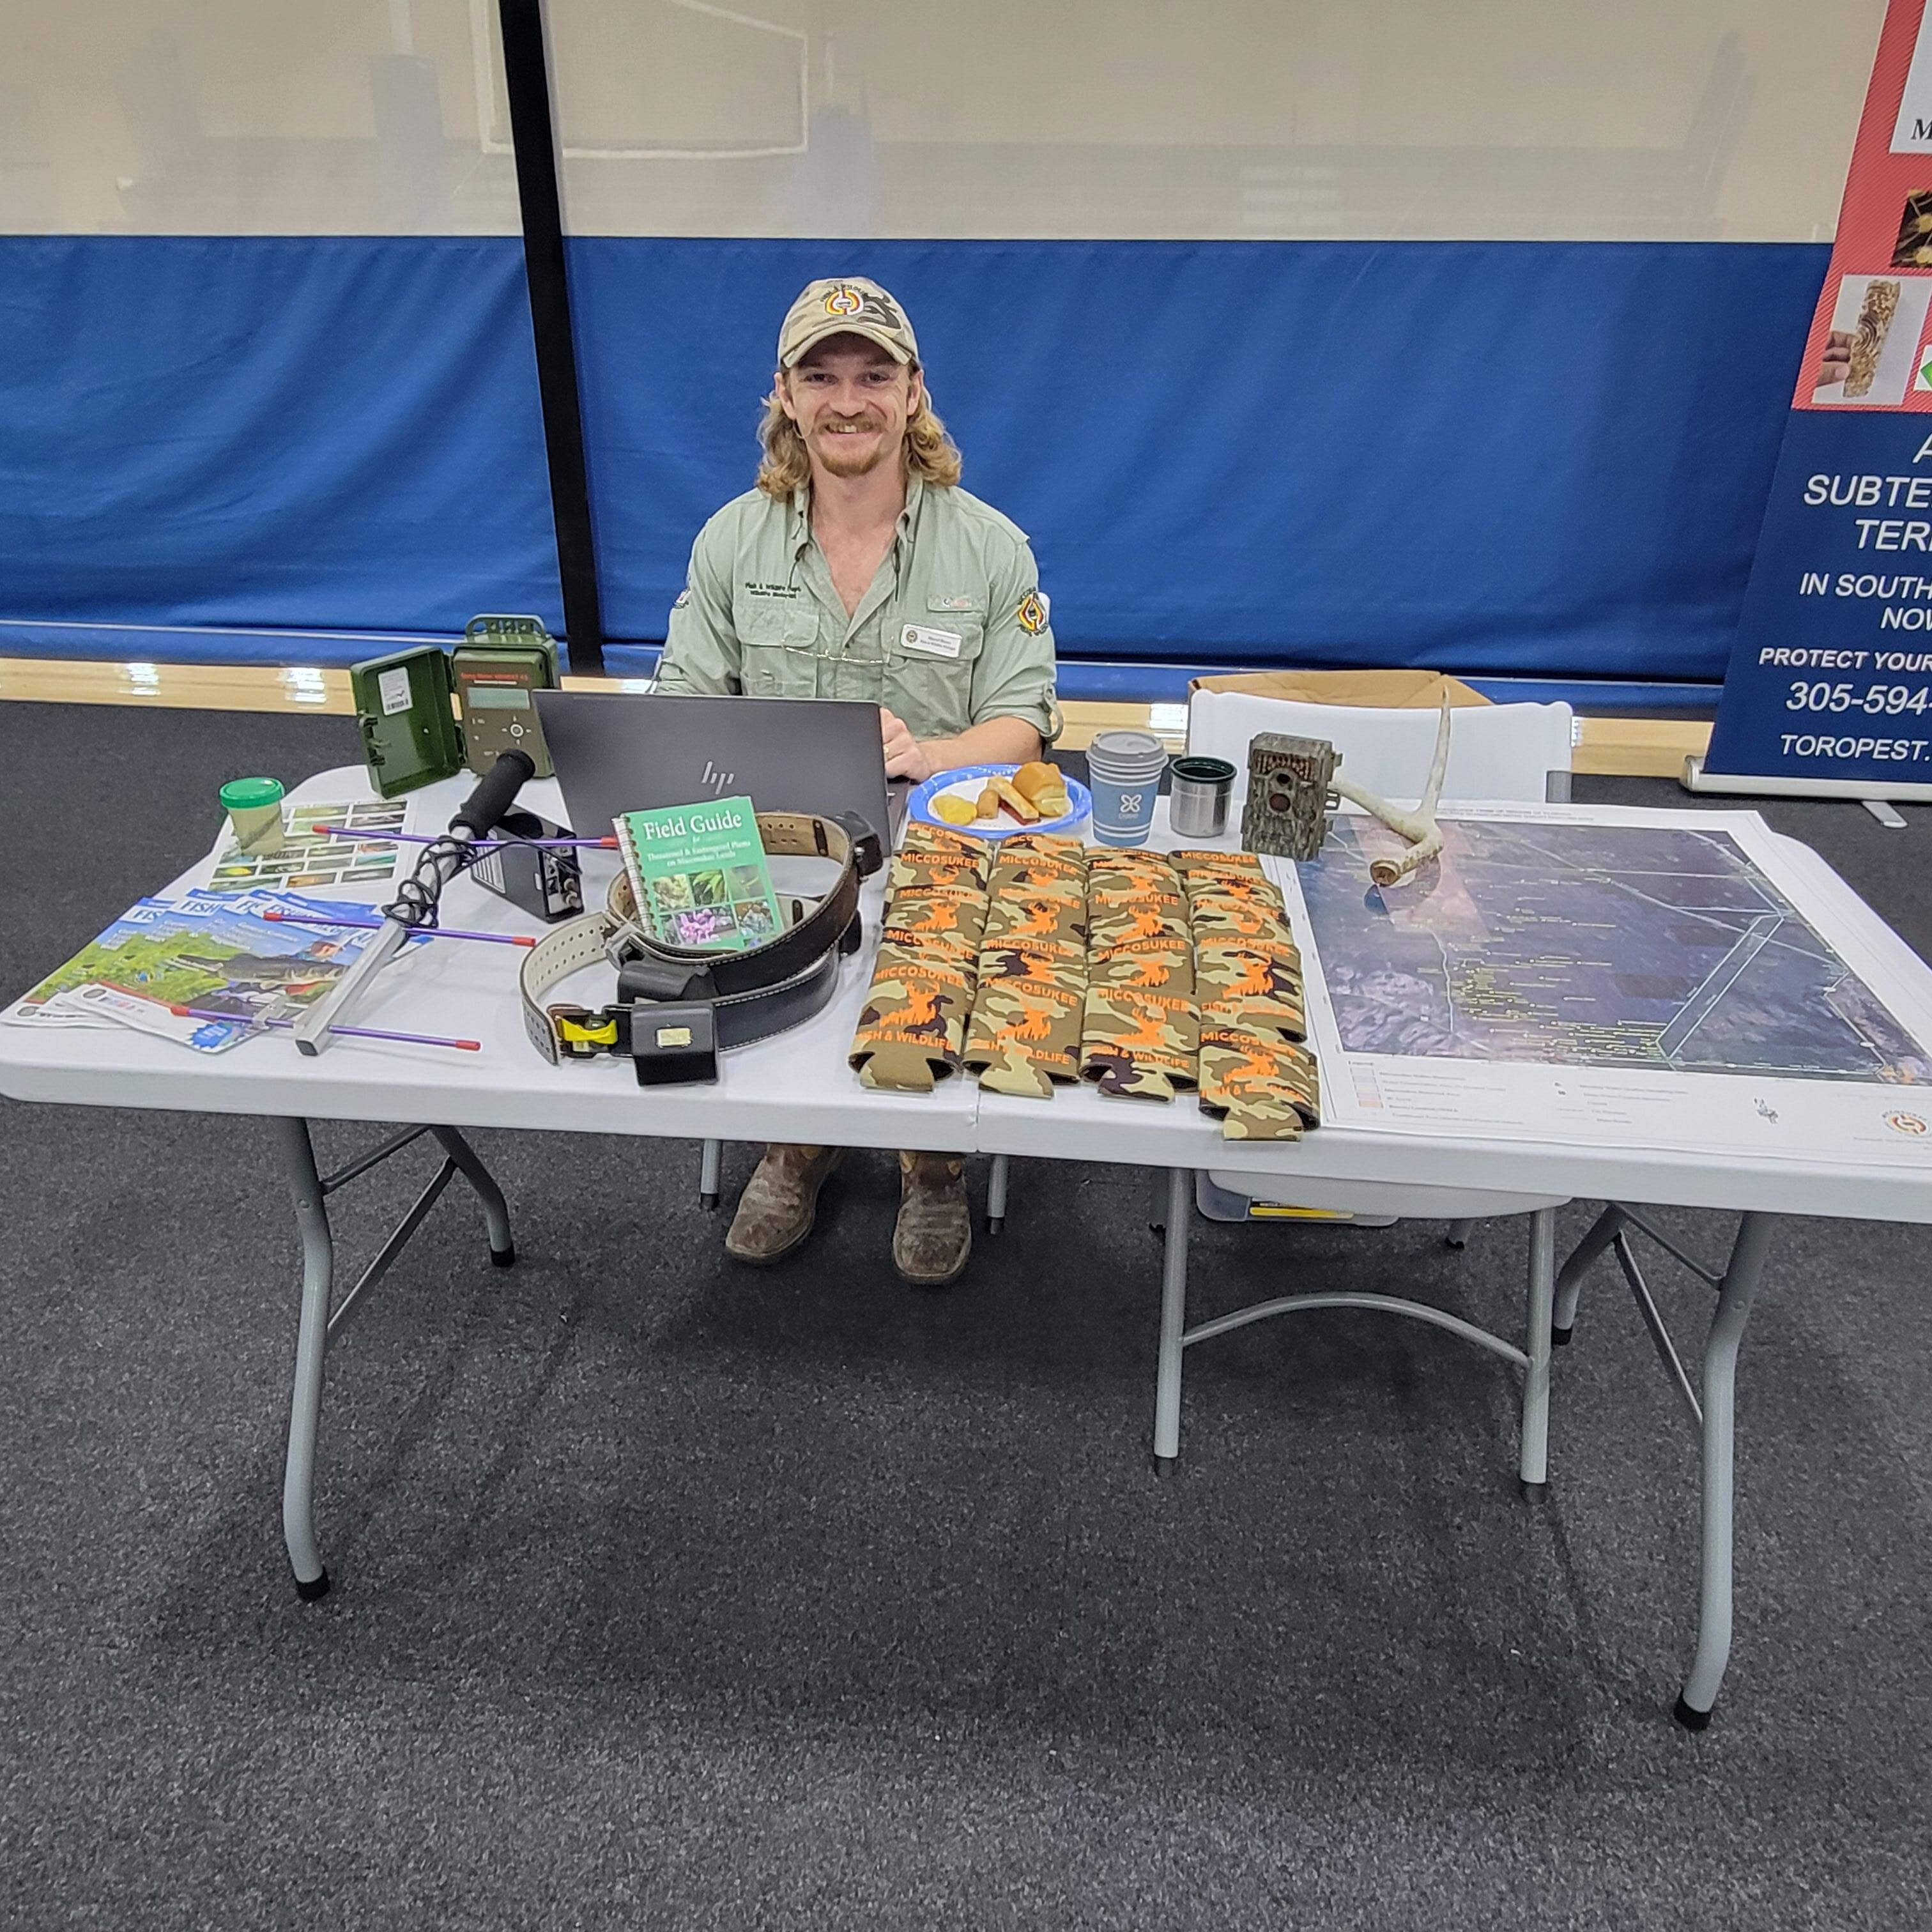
(678, 1006)
(847, 841)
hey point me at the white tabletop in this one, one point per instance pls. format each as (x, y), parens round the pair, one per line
(1822, 1174)
(794, 1087)
(798, 1087)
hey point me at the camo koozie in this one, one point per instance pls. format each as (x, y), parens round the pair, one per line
(1025, 1034)
(944, 921)
(1262, 1087)
(1124, 908)
(957, 872)
(1151, 966)
(1137, 1043)
(913, 1022)
(1255, 983)
(1256, 1075)
(913, 1025)
(1139, 1031)
(1053, 921)
(921, 836)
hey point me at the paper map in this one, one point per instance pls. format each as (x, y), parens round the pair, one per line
(1592, 946)
(1599, 975)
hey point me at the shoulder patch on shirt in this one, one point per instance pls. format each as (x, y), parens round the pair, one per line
(683, 598)
(1033, 613)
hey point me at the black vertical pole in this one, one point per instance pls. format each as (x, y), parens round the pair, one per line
(527, 71)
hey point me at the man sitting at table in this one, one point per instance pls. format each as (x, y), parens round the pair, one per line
(857, 568)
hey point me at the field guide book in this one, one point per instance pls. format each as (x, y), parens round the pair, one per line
(700, 874)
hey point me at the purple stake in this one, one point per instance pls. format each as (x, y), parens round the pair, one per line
(476, 845)
(415, 932)
(358, 1033)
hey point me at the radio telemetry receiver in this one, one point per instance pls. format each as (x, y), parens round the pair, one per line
(407, 704)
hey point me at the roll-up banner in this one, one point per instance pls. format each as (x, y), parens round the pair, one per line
(1828, 692)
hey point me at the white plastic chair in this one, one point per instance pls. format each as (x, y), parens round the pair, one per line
(1517, 751)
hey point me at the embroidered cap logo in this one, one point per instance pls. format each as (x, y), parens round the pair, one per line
(844, 301)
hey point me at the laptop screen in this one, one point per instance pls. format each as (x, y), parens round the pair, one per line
(620, 752)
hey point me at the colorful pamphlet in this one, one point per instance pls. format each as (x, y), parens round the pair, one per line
(700, 875)
(213, 952)
(307, 857)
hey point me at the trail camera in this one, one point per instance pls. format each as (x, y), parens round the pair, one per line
(1287, 810)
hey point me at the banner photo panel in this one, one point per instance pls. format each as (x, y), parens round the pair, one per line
(1830, 681)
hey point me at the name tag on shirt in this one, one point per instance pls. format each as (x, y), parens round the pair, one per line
(929, 643)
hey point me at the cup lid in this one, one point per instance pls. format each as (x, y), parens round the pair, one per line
(239, 794)
(1131, 748)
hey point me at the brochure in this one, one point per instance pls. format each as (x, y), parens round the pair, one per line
(309, 858)
(213, 952)
(700, 874)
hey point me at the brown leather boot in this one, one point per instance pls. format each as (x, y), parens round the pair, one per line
(780, 1202)
(934, 1233)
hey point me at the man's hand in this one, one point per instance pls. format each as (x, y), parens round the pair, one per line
(994, 741)
(1837, 364)
(906, 757)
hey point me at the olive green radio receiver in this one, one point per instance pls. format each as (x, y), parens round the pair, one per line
(423, 713)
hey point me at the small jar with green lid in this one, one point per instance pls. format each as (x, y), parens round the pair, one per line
(254, 809)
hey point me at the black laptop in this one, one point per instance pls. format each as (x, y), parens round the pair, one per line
(616, 752)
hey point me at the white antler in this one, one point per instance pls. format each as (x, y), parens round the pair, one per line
(1419, 826)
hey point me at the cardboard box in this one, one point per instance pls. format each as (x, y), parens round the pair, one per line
(1378, 690)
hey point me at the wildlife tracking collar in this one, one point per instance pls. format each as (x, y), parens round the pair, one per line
(677, 1007)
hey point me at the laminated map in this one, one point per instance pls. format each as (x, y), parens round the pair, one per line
(1585, 970)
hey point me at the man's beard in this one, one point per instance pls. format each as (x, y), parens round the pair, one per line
(838, 461)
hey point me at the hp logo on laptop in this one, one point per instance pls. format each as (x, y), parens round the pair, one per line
(720, 782)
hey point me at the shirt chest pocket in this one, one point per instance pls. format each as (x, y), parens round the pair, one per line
(777, 647)
(931, 657)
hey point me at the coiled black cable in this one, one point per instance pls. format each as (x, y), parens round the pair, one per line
(416, 903)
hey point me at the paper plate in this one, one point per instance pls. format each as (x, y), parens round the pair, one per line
(968, 781)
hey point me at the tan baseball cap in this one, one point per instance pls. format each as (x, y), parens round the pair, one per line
(850, 305)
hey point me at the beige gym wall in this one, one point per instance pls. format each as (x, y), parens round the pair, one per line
(1659, 119)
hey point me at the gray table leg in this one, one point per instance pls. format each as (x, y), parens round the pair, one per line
(1178, 1213)
(1582, 1258)
(996, 1193)
(311, 1353)
(1735, 1295)
(710, 1175)
(496, 1212)
(1533, 1468)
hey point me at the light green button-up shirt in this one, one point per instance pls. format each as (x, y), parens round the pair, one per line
(951, 631)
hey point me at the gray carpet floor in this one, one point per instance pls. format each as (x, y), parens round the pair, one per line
(674, 1593)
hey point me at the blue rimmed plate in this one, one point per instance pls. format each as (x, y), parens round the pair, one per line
(968, 781)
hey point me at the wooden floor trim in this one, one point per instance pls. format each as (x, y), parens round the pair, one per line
(1621, 747)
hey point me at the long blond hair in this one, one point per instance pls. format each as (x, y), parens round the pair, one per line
(930, 453)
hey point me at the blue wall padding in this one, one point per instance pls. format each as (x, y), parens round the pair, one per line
(309, 432)
(1535, 458)
(1544, 458)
